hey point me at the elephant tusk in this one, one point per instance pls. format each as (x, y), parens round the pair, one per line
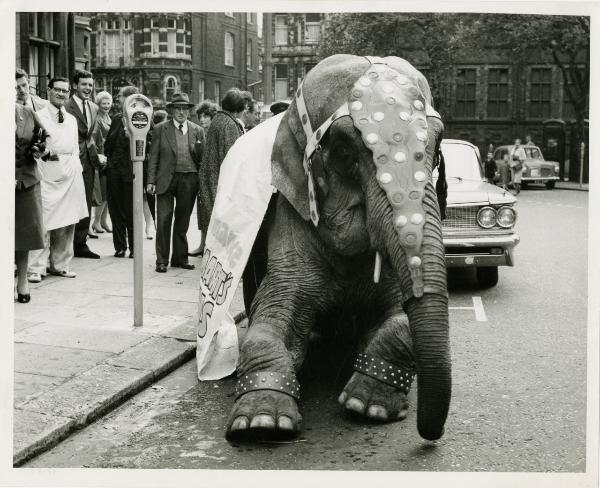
(377, 270)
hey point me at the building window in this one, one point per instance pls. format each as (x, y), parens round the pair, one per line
(281, 30)
(281, 81)
(170, 87)
(171, 41)
(33, 25)
(308, 67)
(154, 22)
(466, 83)
(49, 26)
(98, 84)
(568, 112)
(113, 45)
(249, 17)
(127, 51)
(540, 93)
(154, 40)
(33, 68)
(218, 92)
(497, 97)
(201, 89)
(249, 55)
(126, 24)
(171, 23)
(312, 34)
(228, 48)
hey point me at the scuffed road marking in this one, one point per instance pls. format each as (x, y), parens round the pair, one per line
(478, 308)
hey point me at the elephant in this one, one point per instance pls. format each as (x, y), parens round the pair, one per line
(355, 224)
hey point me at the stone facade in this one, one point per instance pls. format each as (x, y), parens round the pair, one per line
(51, 44)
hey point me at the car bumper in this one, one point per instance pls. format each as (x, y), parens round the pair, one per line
(539, 179)
(480, 251)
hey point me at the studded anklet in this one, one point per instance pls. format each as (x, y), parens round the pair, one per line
(385, 372)
(268, 380)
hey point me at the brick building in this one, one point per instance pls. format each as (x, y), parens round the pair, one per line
(51, 44)
(148, 50)
(225, 54)
(291, 41)
(201, 54)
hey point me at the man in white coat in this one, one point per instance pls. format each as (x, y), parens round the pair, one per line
(63, 191)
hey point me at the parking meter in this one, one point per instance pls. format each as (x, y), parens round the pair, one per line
(138, 114)
(137, 111)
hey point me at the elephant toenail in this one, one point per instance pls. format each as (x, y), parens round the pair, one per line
(377, 412)
(402, 414)
(355, 405)
(264, 421)
(342, 398)
(240, 423)
(285, 423)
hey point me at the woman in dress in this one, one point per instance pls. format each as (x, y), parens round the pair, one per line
(206, 112)
(99, 222)
(29, 228)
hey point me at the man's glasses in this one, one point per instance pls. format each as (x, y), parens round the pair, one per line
(60, 90)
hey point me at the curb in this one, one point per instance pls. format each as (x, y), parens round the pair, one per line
(67, 425)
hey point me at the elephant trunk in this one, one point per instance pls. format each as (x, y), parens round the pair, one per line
(428, 318)
(428, 314)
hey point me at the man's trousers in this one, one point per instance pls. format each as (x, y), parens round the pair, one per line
(120, 208)
(179, 200)
(57, 253)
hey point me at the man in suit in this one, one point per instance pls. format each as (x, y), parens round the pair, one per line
(24, 97)
(175, 155)
(85, 112)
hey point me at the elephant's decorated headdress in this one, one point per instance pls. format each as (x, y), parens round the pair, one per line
(390, 110)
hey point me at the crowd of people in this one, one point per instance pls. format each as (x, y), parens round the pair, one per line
(74, 174)
(510, 171)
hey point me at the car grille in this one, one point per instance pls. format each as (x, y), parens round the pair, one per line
(463, 221)
(546, 172)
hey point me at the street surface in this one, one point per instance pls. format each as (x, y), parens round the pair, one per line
(519, 383)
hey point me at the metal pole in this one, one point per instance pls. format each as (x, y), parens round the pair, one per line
(138, 251)
(581, 160)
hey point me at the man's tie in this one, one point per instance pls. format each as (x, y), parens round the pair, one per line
(61, 117)
(181, 128)
(85, 112)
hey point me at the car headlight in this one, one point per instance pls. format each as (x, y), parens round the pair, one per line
(506, 217)
(486, 217)
(524, 167)
(557, 169)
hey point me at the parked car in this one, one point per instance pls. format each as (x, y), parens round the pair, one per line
(535, 168)
(479, 229)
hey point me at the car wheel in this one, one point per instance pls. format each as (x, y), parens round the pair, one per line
(487, 276)
(550, 184)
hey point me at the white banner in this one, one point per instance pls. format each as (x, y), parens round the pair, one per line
(243, 194)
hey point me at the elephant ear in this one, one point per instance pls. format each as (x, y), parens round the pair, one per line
(325, 89)
(286, 163)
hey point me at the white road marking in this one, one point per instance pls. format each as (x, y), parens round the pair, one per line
(477, 307)
(552, 204)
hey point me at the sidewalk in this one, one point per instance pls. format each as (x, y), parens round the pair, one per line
(572, 185)
(77, 354)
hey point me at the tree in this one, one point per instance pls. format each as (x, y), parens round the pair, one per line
(430, 41)
(563, 39)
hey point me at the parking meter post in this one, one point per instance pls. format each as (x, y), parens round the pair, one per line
(581, 160)
(138, 114)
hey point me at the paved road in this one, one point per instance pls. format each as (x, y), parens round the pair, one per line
(519, 383)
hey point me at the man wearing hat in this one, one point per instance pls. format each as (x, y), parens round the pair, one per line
(175, 155)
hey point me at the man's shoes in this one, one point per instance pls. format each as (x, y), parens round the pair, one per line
(86, 253)
(23, 297)
(183, 265)
(130, 254)
(161, 268)
(120, 253)
(65, 273)
(196, 252)
(34, 277)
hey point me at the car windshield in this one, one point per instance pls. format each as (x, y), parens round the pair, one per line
(533, 153)
(461, 162)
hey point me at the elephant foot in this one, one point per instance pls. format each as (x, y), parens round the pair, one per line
(373, 399)
(377, 389)
(266, 408)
